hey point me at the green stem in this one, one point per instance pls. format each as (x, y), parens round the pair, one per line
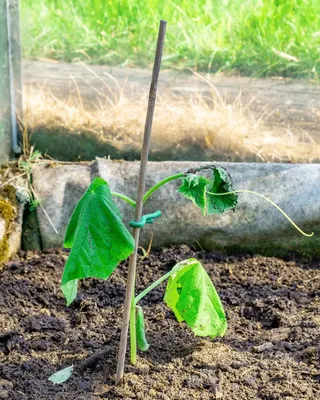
(156, 283)
(133, 334)
(270, 201)
(125, 198)
(161, 183)
(150, 191)
(133, 338)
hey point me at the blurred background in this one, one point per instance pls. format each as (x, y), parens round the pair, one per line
(239, 78)
(236, 36)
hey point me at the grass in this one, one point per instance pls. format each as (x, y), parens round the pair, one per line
(207, 126)
(250, 37)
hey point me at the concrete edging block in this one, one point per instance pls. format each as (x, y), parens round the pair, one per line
(255, 226)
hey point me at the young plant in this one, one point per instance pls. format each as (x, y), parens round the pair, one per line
(99, 240)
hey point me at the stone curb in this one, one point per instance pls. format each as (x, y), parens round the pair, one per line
(255, 226)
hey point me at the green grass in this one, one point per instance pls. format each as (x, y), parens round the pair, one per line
(243, 36)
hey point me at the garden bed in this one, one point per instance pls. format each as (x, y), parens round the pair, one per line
(270, 351)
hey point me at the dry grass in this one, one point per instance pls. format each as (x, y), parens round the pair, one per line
(229, 130)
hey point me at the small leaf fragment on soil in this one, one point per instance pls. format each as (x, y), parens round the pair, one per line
(62, 375)
(193, 298)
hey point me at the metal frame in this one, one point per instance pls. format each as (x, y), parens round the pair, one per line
(11, 105)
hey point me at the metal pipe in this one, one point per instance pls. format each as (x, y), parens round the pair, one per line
(14, 123)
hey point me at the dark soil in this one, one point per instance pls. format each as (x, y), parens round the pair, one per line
(270, 351)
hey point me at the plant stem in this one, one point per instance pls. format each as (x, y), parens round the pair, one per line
(161, 183)
(125, 198)
(270, 201)
(133, 334)
(155, 284)
(150, 191)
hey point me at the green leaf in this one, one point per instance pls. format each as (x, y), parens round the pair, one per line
(70, 290)
(140, 331)
(74, 220)
(194, 188)
(192, 297)
(62, 375)
(221, 183)
(97, 237)
(202, 191)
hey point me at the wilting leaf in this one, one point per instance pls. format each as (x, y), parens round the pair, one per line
(192, 297)
(62, 375)
(202, 191)
(221, 183)
(140, 331)
(194, 188)
(97, 236)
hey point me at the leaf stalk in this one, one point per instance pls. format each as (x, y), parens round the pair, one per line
(268, 200)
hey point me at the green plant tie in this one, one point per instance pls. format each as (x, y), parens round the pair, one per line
(145, 219)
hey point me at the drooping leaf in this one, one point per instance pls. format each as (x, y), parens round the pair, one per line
(97, 236)
(62, 375)
(192, 297)
(202, 191)
(194, 188)
(74, 220)
(143, 345)
(221, 183)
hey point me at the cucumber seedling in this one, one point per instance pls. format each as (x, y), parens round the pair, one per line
(99, 240)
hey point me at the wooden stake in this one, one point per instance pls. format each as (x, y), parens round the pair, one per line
(139, 203)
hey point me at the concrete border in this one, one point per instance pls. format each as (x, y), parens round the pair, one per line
(254, 227)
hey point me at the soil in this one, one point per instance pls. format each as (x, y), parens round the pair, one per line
(270, 351)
